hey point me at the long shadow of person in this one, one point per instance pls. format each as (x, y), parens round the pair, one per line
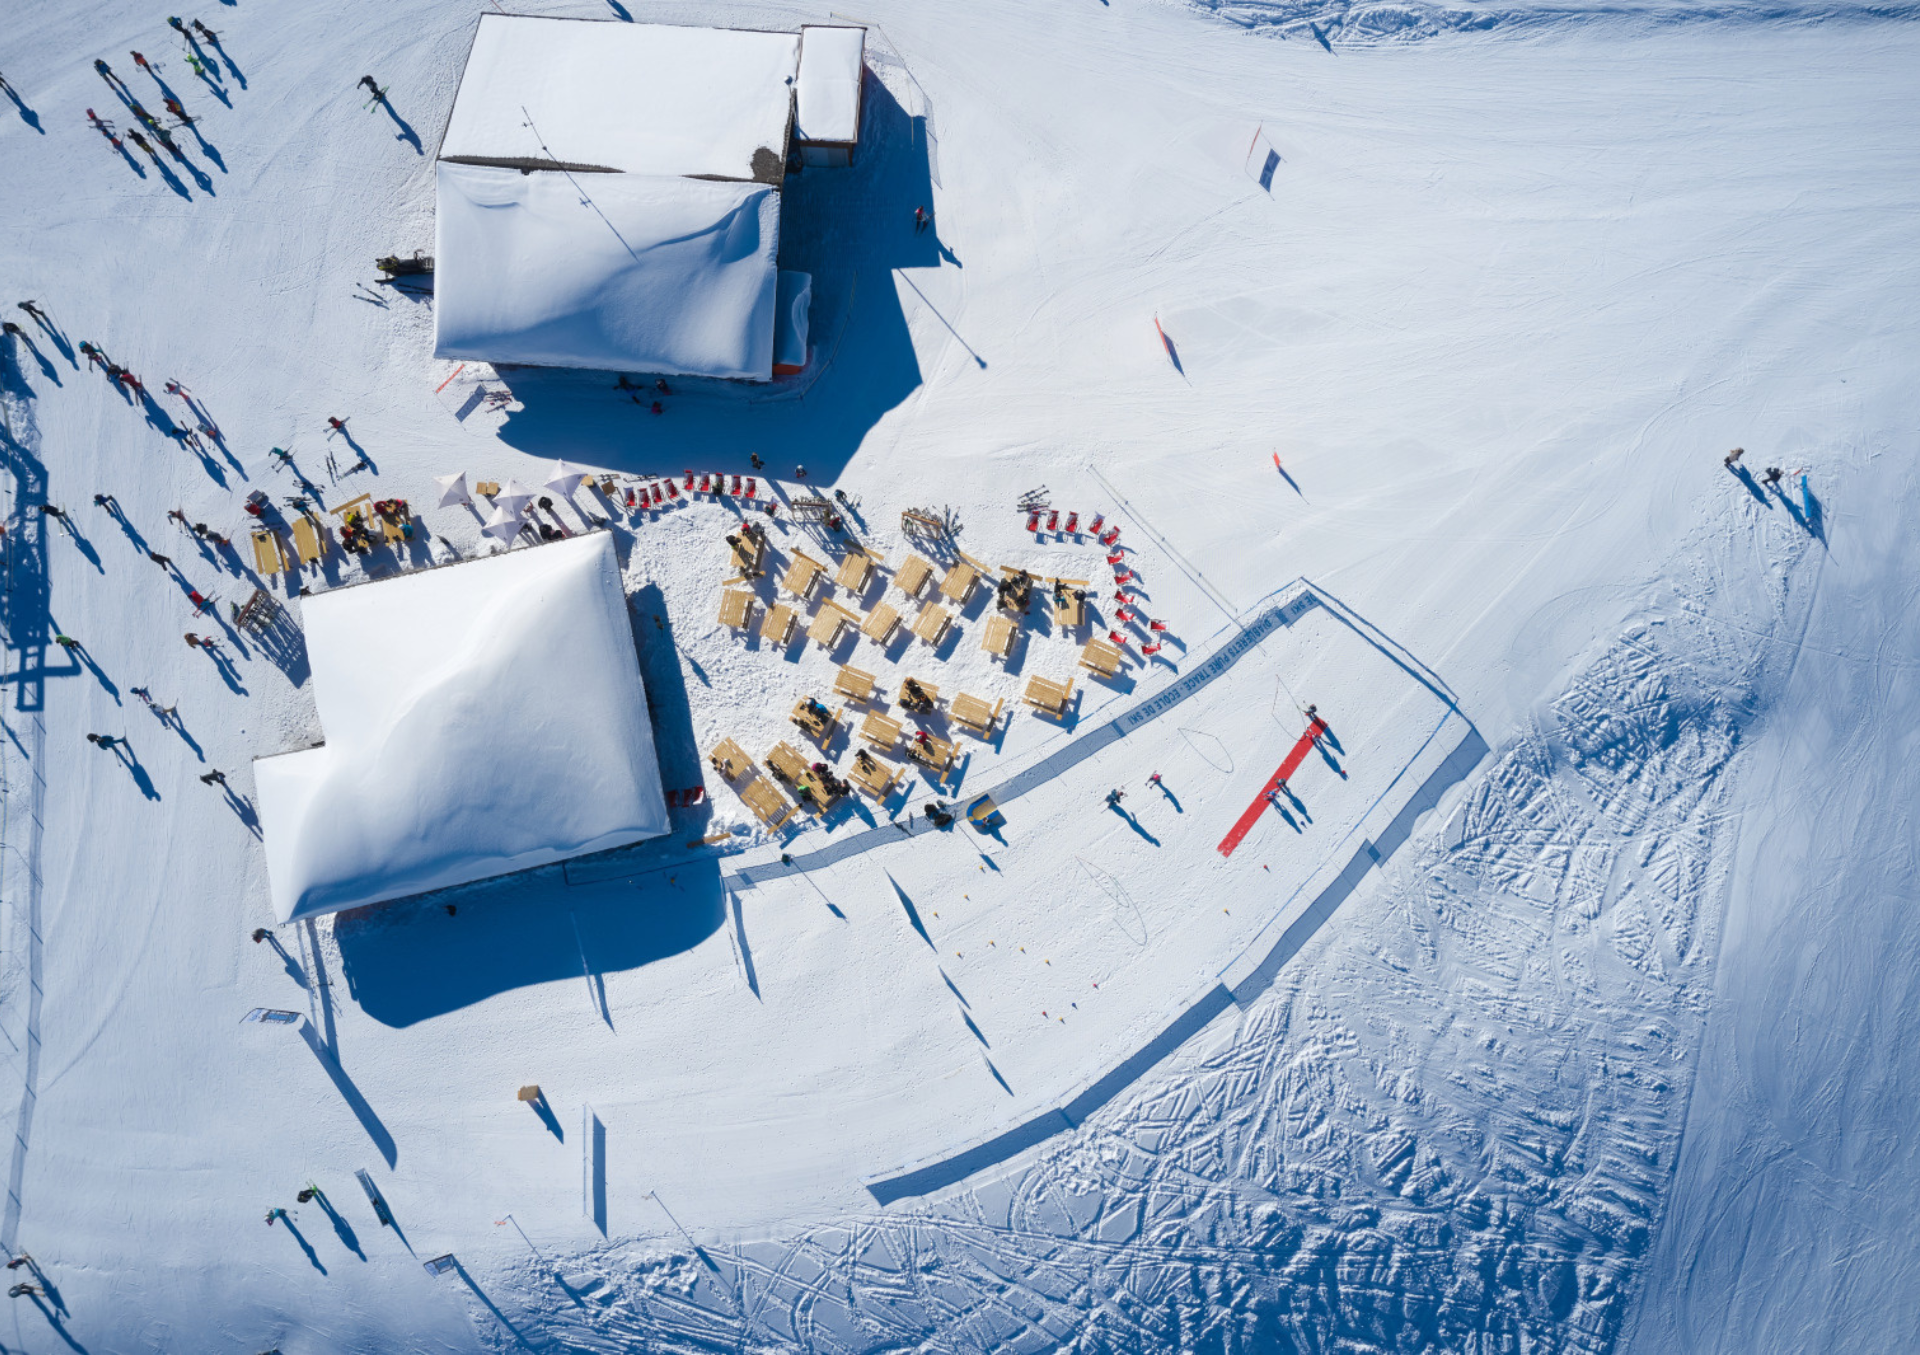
(1134, 824)
(52, 331)
(124, 751)
(312, 1256)
(406, 134)
(27, 115)
(341, 1228)
(47, 369)
(1740, 472)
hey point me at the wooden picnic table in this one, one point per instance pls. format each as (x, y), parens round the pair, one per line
(786, 760)
(814, 719)
(929, 692)
(932, 751)
(1069, 608)
(1103, 658)
(880, 623)
(957, 587)
(873, 776)
(777, 626)
(828, 622)
(803, 574)
(882, 731)
(768, 805)
(998, 640)
(1048, 696)
(747, 551)
(913, 576)
(394, 526)
(856, 570)
(269, 553)
(790, 764)
(730, 760)
(487, 489)
(736, 605)
(310, 538)
(932, 623)
(854, 683)
(975, 715)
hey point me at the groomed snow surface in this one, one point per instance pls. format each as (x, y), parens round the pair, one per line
(1606, 1047)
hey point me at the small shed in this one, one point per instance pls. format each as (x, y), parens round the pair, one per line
(827, 95)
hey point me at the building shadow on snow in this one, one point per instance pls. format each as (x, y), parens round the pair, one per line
(850, 229)
(410, 960)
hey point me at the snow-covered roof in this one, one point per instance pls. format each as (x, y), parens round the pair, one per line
(482, 718)
(651, 274)
(827, 96)
(638, 98)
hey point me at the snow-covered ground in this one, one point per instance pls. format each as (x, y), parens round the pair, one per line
(1612, 1052)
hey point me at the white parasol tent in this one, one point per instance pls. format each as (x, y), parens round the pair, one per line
(453, 489)
(505, 522)
(514, 498)
(565, 479)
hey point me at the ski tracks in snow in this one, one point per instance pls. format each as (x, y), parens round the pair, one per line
(1448, 1125)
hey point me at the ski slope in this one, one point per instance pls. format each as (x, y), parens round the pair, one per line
(1608, 1052)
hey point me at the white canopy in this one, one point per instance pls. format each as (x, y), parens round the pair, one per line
(649, 274)
(515, 497)
(453, 489)
(827, 94)
(564, 479)
(647, 99)
(448, 757)
(504, 522)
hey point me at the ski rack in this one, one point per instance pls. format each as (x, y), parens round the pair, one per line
(928, 525)
(812, 509)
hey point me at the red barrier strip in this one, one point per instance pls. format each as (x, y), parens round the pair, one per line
(1259, 805)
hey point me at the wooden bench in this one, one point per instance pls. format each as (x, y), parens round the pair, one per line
(932, 752)
(880, 623)
(975, 715)
(929, 693)
(828, 622)
(730, 760)
(362, 505)
(269, 553)
(882, 731)
(776, 628)
(957, 587)
(998, 640)
(310, 538)
(768, 805)
(856, 571)
(736, 606)
(913, 576)
(817, 724)
(855, 684)
(802, 575)
(1049, 697)
(932, 624)
(873, 776)
(1103, 658)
